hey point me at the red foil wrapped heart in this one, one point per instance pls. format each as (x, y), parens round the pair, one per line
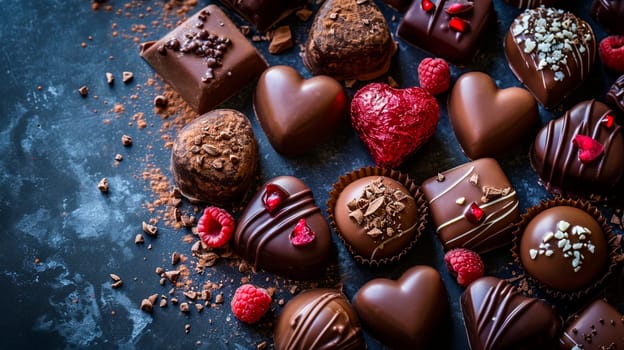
(393, 123)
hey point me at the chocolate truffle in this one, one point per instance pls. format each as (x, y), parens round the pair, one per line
(551, 52)
(564, 248)
(472, 206)
(530, 3)
(600, 326)
(206, 59)
(349, 39)
(609, 14)
(581, 152)
(497, 316)
(407, 313)
(298, 114)
(263, 14)
(377, 217)
(451, 29)
(283, 231)
(214, 157)
(615, 96)
(318, 319)
(488, 121)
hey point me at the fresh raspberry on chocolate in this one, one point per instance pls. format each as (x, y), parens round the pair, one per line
(434, 75)
(612, 52)
(465, 265)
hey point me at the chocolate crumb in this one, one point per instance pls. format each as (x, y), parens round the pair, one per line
(126, 140)
(262, 345)
(163, 302)
(187, 328)
(117, 284)
(440, 177)
(103, 185)
(199, 307)
(114, 277)
(126, 77)
(152, 298)
(161, 101)
(219, 298)
(245, 30)
(146, 305)
(83, 91)
(110, 78)
(282, 40)
(159, 270)
(149, 229)
(184, 307)
(175, 258)
(118, 157)
(138, 239)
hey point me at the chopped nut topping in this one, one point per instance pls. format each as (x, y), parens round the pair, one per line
(103, 185)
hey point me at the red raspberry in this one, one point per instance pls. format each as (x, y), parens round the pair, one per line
(249, 303)
(612, 52)
(434, 75)
(215, 227)
(464, 264)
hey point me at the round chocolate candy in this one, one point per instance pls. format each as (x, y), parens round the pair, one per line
(318, 319)
(377, 217)
(564, 248)
(214, 158)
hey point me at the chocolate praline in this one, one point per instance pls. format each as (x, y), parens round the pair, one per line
(609, 14)
(598, 327)
(564, 248)
(263, 14)
(206, 59)
(264, 232)
(445, 32)
(214, 158)
(451, 196)
(318, 319)
(497, 317)
(559, 159)
(615, 96)
(550, 65)
(377, 217)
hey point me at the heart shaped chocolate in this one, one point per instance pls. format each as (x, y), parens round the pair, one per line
(486, 120)
(497, 316)
(580, 152)
(349, 40)
(550, 64)
(393, 123)
(406, 313)
(298, 114)
(283, 231)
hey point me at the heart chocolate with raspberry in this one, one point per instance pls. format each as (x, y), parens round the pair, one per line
(497, 316)
(403, 314)
(487, 121)
(393, 123)
(283, 231)
(297, 114)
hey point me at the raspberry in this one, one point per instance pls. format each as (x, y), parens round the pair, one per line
(464, 264)
(215, 227)
(249, 303)
(612, 52)
(434, 75)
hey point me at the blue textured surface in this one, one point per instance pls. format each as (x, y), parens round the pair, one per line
(55, 147)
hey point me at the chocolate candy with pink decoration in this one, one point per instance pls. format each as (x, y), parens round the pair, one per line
(283, 231)
(580, 153)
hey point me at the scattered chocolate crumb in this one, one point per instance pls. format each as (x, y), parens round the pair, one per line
(199, 307)
(172, 275)
(83, 44)
(163, 302)
(294, 289)
(83, 91)
(184, 307)
(175, 258)
(117, 284)
(149, 228)
(304, 14)
(126, 140)
(110, 78)
(161, 101)
(126, 77)
(37, 261)
(219, 298)
(118, 157)
(262, 345)
(152, 298)
(159, 270)
(146, 305)
(187, 221)
(138, 239)
(282, 40)
(245, 30)
(114, 277)
(39, 87)
(187, 328)
(103, 185)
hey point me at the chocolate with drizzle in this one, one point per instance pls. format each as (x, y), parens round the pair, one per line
(615, 96)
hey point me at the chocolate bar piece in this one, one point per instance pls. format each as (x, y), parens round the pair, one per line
(206, 59)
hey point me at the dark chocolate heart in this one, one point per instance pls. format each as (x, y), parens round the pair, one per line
(406, 313)
(551, 66)
(497, 316)
(267, 232)
(486, 120)
(298, 114)
(557, 154)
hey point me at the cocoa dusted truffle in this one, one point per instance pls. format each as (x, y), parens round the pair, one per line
(473, 206)
(551, 52)
(598, 327)
(263, 14)
(318, 319)
(564, 248)
(283, 231)
(349, 39)
(497, 317)
(206, 59)
(580, 153)
(451, 29)
(214, 157)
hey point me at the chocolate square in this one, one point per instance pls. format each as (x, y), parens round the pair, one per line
(206, 59)
(451, 29)
(263, 14)
(472, 206)
(599, 326)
